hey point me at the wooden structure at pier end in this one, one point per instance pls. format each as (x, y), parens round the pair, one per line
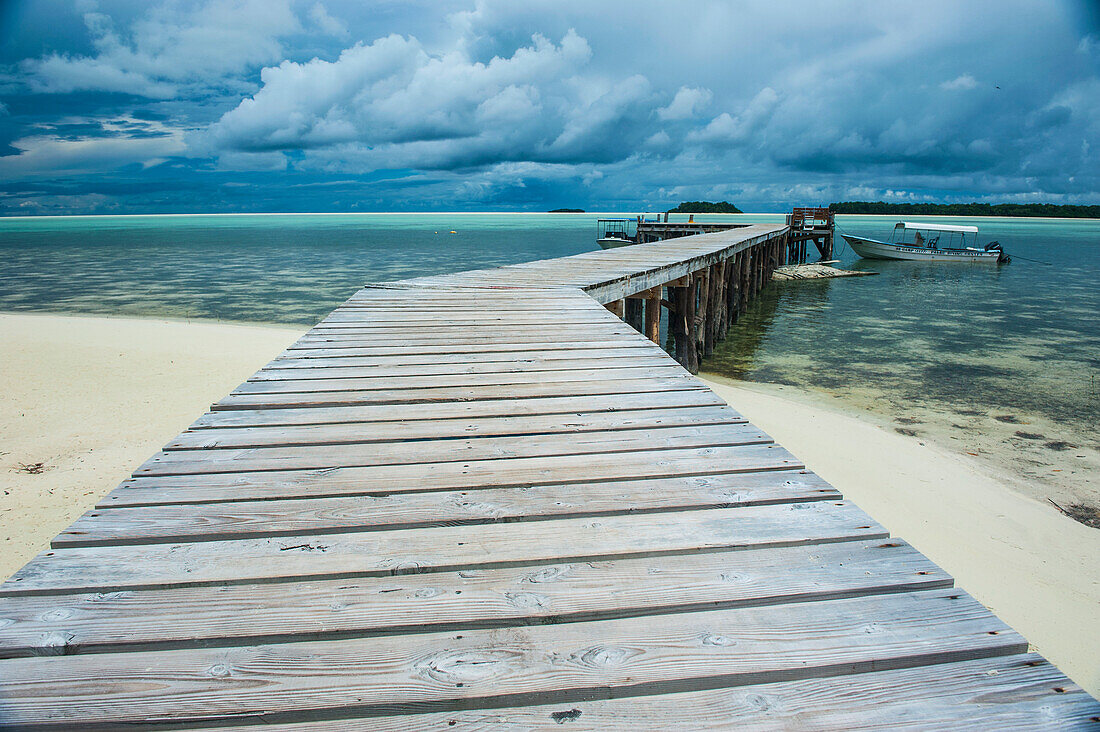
(483, 501)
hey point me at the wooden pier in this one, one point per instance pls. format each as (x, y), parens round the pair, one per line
(651, 231)
(815, 225)
(485, 501)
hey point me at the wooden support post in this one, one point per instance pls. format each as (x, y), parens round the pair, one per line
(723, 324)
(743, 277)
(702, 311)
(753, 261)
(653, 316)
(681, 322)
(761, 265)
(734, 290)
(713, 314)
(634, 315)
(616, 306)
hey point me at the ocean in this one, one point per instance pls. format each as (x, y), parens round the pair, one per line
(998, 357)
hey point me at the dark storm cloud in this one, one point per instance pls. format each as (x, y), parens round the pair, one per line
(537, 103)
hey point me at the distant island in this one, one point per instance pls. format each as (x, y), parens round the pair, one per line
(1048, 210)
(693, 207)
(567, 210)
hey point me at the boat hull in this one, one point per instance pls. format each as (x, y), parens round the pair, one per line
(872, 249)
(612, 242)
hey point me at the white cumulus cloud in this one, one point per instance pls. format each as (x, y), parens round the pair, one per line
(172, 45)
(960, 83)
(687, 103)
(394, 104)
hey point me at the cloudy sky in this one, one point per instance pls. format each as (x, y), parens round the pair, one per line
(158, 106)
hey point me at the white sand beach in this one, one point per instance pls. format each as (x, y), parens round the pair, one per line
(90, 398)
(1037, 569)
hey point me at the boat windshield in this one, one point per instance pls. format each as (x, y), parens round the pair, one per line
(935, 236)
(615, 228)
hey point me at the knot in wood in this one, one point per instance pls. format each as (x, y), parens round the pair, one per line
(425, 592)
(548, 574)
(106, 596)
(55, 644)
(467, 666)
(52, 616)
(527, 600)
(757, 702)
(713, 639)
(218, 671)
(602, 657)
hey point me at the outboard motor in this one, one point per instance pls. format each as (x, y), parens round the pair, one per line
(995, 246)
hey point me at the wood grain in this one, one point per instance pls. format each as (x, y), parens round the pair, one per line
(517, 665)
(320, 609)
(305, 515)
(1021, 691)
(437, 549)
(471, 474)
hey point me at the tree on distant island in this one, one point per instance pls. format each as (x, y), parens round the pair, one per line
(1048, 210)
(721, 207)
(567, 210)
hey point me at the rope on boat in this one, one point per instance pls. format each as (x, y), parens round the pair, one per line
(1037, 261)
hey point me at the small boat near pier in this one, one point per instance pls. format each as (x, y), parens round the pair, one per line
(614, 233)
(960, 244)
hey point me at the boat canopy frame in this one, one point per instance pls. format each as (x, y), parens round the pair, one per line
(957, 236)
(609, 228)
(936, 227)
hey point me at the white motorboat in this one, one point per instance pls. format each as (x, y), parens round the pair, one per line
(612, 233)
(930, 243)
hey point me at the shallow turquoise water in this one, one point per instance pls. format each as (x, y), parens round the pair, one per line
(1019, 338)
(266, 268)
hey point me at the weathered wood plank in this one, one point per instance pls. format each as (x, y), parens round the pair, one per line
(514, 342)
(372, 358)
(469, 351)
(473, 412)
(535, 368)
(452, 548)
(394, 431)
(252, 519)
(655, 369)
(443, 318)
(472, 474)
(442, 338)
(326, 457)
(594, 386)
(507, 667)
(319, 609)
(520, 335)
(1020, 691)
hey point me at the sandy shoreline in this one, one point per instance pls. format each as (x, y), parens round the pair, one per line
(1037, 569)
(93, 397)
